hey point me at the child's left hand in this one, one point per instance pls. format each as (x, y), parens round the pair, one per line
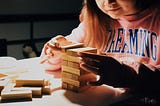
(110, 70)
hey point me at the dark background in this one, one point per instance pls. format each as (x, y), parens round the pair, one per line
(23, 21)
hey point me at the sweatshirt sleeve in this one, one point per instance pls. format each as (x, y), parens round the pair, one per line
(77, 34)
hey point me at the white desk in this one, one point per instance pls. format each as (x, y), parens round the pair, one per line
(95, 96)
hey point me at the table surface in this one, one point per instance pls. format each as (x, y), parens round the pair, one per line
(94, 96)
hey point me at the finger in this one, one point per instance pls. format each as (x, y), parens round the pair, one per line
(88, 77)
(45, 48)
(88, 68)
(91, 62)
(53, 45)
(57, 41)
(50, 52)
(44, 59)
(60, 37)
(50, 49)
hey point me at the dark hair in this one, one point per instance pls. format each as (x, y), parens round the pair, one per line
(94, 18)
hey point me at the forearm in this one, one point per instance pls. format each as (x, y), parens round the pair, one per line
(145, 79)
(148, 79)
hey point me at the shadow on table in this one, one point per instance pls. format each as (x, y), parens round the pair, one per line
(16, 100)
(96, 96)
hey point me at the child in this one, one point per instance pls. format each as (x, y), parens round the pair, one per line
(127, 32)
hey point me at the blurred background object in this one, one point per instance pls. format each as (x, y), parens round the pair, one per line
(30, 50)
(36, 21)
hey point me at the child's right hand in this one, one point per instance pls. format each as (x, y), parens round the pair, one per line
(51, 53)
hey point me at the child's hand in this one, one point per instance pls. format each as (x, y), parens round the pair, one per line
(51, 53)
(110, 70)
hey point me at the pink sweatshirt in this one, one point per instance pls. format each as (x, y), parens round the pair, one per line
(136, 37)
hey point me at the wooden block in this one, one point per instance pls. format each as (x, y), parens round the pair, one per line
(47, 82)
(73, 64)
(70, 81)
(78, 81)
(66, 75)
(9, 94)
(73, 88)
(75, 51)
(64, 85)
(30, 82)
(65, 62)
(3, 84)
(2, 76)
(75, 45)
(16, 95)
(76, 89)
(74, 82)
(8, 87)
(71, 58)
(36, 91)
(46, 90)
(70, 64)
(71, 70)
(75, 77)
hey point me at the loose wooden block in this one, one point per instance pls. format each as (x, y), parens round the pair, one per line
(30, 82)
(46, 90)
(2, 76)
(16, 95)
(10, 94)
(47, 82)
(8, 87)
(3, 84)
(36, 91)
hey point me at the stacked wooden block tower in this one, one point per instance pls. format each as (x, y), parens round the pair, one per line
(71, 72)
(23, 89)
